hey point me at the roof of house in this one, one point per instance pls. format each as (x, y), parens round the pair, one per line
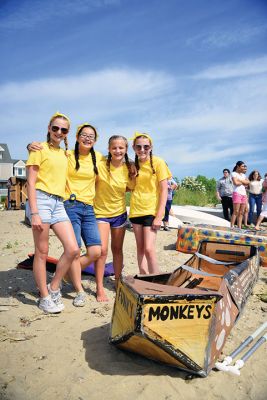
(15, 161)
(5, 154)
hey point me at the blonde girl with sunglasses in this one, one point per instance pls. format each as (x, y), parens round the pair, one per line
(148, 200)
(79, 200)
(46, 181)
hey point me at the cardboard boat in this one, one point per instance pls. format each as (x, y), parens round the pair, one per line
(183, 318)
(189, 237)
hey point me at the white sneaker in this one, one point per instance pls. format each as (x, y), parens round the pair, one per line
(79, 300)
(48, 306)
(56, 297)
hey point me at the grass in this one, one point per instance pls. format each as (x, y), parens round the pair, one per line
(184, 197)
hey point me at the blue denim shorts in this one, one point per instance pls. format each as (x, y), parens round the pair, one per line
(50, 208)
(84, 223)
(115, 222)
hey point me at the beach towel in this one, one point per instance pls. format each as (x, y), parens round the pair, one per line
(51, 263)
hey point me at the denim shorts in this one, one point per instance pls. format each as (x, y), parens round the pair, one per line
(115, 222)
(84, 223)
(146, 220)
(50, 208)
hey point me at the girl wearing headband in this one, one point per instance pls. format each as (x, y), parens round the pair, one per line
(79, 198)
(148, 200)
(114, 178)
(46, 181)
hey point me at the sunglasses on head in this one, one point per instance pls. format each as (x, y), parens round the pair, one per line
(58, 128)
(140, 147)
(85, 136)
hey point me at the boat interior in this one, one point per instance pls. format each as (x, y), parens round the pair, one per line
(207, 267)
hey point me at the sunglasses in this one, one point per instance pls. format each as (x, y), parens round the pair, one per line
(139, 147)
(85, 136)
(57, 128)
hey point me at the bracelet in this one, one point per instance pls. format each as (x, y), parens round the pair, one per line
(27, 147)
(34, 213)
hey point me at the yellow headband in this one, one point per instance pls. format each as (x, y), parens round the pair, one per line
(138, 134)
(58, 115)
(80, 127)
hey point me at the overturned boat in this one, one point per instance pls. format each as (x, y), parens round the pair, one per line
(183, 318)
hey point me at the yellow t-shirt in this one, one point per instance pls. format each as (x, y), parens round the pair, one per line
(145, 196)
(52, 163)
(110, 190)
(82, 182)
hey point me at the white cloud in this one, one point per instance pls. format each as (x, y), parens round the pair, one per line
(223, 38)
(193, 122)
(235, 70)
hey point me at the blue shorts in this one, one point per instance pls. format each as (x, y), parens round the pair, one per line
(50, 208)
(84, 223)
(115, 222)
(146, 220)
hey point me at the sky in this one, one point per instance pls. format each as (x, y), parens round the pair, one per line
(191, 73)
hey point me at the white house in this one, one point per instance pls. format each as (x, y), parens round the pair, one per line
(9, 168)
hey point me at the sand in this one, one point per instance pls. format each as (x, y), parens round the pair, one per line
(68, 356)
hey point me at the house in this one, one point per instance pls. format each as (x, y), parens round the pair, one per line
(9, 168)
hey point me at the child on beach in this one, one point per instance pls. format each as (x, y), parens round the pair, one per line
(148, 200)
(114, 178)
(263, 213)
(79, 201)
(79, 198)
(46, 181)
(239, 193)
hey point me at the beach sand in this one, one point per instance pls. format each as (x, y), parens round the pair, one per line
(68, 357)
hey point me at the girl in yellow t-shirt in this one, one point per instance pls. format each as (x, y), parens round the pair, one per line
(46, 180)
(79, 196)
(113, 180)
(148, 199)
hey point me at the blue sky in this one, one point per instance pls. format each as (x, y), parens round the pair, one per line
(192, 73)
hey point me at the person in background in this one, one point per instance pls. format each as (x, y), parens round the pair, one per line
(224, 193)
(46, 181)
(148, 199)
(245, 216)
(172, 185)
(239, 194)
(255, 194)
(263, 213)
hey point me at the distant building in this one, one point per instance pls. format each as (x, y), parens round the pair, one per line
(9, 168)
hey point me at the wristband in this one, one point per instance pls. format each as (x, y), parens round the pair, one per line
(34, 213)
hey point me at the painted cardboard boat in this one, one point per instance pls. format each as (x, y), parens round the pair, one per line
(190, 236)
(183, 318)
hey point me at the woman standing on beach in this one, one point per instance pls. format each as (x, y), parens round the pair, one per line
(79, 198)
(80, 193)
(46, 181)
(148, 200)
(255, 194)
(263, 213)
(239, 193)
(115, 177)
